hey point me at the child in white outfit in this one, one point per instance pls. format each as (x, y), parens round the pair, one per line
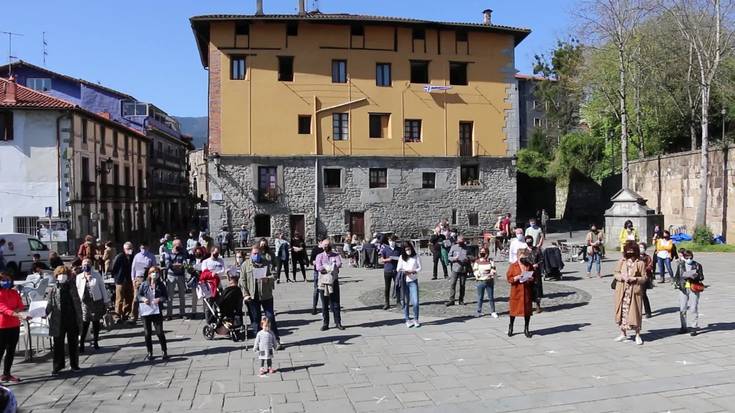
(265, 346)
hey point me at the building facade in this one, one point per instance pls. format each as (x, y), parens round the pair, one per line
(327, 123)
(198, 171)
(533, 111)
(85, 169)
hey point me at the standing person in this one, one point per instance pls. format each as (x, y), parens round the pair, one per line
(93, 295)
(389, 258)
(54, 260)
(121, 270)
(630, 279)
(518, 243)
(216, 265)
(520, 302)
(191, 242)
(318, 249)
(64, 312)
(267, 253)
(11, 306)
(536, 233)
(688, 280)
(648, 261)
(544, 220)
(594, 243)
(461, 265)
(505, 225)
(628, 233)
(537, 261)
(107, 256)
(142, 261)
(176, 262)
(265, 346)
(298, 254)
(436, 241)
(162, 251)
(153, 294)
(242, 236)
(328, 264)
(408, 268)
(87, 248)
(657, 233)
(282, 252)
(223, 240)
(485, 272)
(665, 252)
(257, 285)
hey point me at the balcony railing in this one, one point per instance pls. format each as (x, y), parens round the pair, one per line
(88, 191)
(268, 195)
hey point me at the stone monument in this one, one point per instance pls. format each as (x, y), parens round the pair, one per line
(627, 205)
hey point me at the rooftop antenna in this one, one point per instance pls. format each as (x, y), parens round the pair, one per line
(10, 50)
(45, 49)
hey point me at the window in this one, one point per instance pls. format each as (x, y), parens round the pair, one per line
(340, 126)
(458, 73)
(383, 75)
(237, 68)
(140, 149)
(412, 130)
(292, 29)
(242, 29)
(461, 36)
(470, 175)
(465, 138)
(332, 178)
(454, 217)
(304, 124)
(267, 184)
(85, 169)
(378, 178)
(116, 174)
(140, 183)
(537, 122)
(285, 68)
(419, 71)
(6, 126)
(419, 34)
(473, 219)
(262, 225)
(160, 149)
(26, 225)
(103, 140)
(428, 180)
(357, 30)
(134, 109)
(379, 125)
(128, 177)
(535, 104)
(114, 143)
(38, 83)
(35, 244)
(84, 130)
(339, 71)
(126, 145)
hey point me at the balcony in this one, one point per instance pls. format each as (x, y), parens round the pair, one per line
(88, 191)
(268, 195)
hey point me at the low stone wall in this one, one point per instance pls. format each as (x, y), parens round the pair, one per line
(671, 185)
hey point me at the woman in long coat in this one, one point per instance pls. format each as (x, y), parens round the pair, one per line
(520, 302)
(630, 280)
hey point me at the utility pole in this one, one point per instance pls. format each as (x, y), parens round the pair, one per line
(10, 50)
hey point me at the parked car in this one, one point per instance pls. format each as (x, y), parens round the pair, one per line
(18, 252)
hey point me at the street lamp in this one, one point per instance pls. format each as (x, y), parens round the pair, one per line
(105, 166)
(217, 160)
(723, 112)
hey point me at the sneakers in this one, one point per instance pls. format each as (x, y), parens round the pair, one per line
(416, 324)
(478, 315)
(638, 340)
(621, 338)
(682, 330)
(271, 370)
(386, 307)
(9, 378)
(449, 303)
(262, 371)
(494, 315)
(325, 328)
(409, 324)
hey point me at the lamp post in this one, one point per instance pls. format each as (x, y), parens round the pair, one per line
(102, 170)
(723, 112)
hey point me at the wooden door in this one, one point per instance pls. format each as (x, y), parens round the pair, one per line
(357, 224)
(465, 138)
(297, 225)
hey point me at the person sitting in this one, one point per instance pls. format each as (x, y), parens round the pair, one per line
(231, 299)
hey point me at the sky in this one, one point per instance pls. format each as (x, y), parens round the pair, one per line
(146, 48)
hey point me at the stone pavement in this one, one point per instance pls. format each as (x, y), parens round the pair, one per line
(452, 363)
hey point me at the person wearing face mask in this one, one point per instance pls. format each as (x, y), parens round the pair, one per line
(688, 280)
(485, 272)
(154, 294)
(93, 294)
(176, 262)
(436, 241)
(594, 253)
(11, 306)
(407, 269)
(283, 249)
(64, 312)
(328, 264)
(461, 265)
(258, 290)
(630, 280)
(537, 262)
(648, 261)
(518, 243)
(628, 233)
(86, 250)
(298, 254)
(520, 302)
(142, 261)
(122, 268)
(536, 233)
(665, 252)
(389, 257)
(318, 249)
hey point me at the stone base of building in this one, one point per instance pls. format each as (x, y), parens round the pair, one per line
(329, 196)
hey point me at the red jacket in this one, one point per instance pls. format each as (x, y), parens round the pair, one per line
(10, 303)
(212, 279)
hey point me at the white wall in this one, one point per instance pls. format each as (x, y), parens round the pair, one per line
(29, 167)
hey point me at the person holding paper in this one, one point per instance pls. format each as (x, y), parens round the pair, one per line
(389, 258)
(328, 264)
(11, 306)
(688, 280)
(630, 280)
(92, 292)
(64, 312)
(152, 296)
(461, 265)
(521, 277)
(485, 272)
(257, 285)
(408, 268)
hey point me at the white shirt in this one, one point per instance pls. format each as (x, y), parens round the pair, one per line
(413, 264)
(216, 265)
(515, 245)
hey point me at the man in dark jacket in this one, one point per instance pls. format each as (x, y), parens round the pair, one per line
(436, 241)
(389, 257)
(298, 256)
(122, 266)
(176, 261)
(314, 253)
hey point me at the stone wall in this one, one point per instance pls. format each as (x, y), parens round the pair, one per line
(403, 207)
(671, 186)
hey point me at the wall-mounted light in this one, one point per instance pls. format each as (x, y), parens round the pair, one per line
(105, 167)
(514, 160)
(217, 160)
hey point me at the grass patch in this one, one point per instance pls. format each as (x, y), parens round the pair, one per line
(691, 245)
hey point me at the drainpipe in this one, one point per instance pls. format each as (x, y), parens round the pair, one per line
(316, 199)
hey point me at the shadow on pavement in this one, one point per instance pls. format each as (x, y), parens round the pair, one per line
(297, 368)
(343, 339)
(560, 329)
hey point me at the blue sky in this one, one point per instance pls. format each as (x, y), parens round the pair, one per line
(146, 48)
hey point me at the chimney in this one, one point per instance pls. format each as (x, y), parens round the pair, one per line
(487, 17)
(259, 7)
(302, 8)
(10, 91)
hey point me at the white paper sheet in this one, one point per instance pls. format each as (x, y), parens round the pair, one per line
(260, 273)
(148, 309)
(37, 309)
(526, 276)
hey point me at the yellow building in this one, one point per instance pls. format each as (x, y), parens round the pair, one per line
(331, 119)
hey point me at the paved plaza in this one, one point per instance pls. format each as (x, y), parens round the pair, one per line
(453, 363)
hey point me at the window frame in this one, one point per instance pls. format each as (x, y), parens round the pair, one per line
(378, 117)
(462, 36)
(85, 133)
(464, 180)
(325, 173)
(375, 180)
(473, 219)
(304, 121)
(6, 126)
(418, 33)
(425, 182)
(409, 125)
(292, 29)
(463, 79)
(286, 62)
(238, 71)
(32, 83)
(339, 71)
(242, 28)
(380, 75)
(340, 126)
(414, 68)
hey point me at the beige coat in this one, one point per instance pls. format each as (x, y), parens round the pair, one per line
(635, 313)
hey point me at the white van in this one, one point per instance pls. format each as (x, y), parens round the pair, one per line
(19, 249)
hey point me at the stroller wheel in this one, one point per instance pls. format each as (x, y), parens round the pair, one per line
(208, 332)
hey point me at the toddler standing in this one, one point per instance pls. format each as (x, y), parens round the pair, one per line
(265, 346)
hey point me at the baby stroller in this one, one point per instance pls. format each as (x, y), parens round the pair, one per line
(223, 325)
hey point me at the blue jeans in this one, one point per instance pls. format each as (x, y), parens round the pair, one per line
(667, 263)
(593, 259)
(411, 297)
(256, 314)
(488, 286)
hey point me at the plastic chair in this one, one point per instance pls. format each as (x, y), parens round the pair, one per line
(33, 280)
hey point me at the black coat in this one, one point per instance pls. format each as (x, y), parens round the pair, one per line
(122, 267)
(553, 259)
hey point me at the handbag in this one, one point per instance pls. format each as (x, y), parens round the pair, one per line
(327, 278)
(696, 287)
